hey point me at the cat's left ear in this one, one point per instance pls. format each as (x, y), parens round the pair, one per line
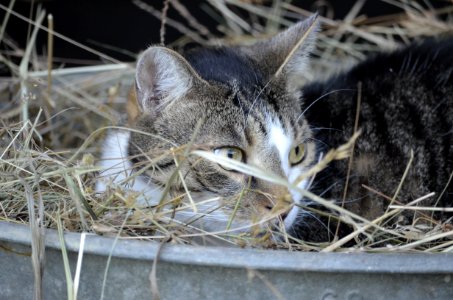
(163, 77)
(285, 55)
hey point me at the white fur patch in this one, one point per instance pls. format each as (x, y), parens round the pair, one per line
(291, 217)
(283, 143)
(296, 195)
(116, 169)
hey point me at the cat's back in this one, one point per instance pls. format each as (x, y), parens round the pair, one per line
(430, 59)
(406, 104)
(423, 66)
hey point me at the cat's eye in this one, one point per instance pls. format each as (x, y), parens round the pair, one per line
(297, 154)
(231, 153)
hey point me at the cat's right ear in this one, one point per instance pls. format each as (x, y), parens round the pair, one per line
(163, 76)
(285, 55)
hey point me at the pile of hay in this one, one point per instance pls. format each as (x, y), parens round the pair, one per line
(52, 123)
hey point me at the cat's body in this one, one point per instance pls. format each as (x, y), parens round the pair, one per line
(406, 104)
(247, 104)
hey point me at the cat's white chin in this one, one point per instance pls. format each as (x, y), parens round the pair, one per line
(291, 217)
(297, 196)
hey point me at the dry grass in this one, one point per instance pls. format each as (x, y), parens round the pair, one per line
(52, 124)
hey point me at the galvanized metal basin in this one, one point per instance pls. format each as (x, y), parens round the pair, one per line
(188, 272)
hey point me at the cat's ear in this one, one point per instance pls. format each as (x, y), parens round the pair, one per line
(162, 77)
(285, 55)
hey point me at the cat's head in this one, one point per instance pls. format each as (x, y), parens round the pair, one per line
(242, 103)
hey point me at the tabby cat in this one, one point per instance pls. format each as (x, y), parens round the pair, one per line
(248, 104)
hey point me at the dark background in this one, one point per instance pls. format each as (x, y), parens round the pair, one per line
(121, 24)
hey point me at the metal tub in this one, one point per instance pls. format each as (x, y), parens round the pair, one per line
(188, 272)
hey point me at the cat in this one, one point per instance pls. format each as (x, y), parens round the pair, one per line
(250, 104)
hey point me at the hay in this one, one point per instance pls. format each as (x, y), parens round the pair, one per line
(52, 124)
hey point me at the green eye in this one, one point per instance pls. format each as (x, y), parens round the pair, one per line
(231, 153)
(297, 154)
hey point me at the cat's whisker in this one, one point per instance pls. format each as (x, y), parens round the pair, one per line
(201, 232)
(305, 213)
(240, 229)
(320, 98)
(325, 128)
(312, 179)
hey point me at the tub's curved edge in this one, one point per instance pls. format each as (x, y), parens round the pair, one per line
(404, 263)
